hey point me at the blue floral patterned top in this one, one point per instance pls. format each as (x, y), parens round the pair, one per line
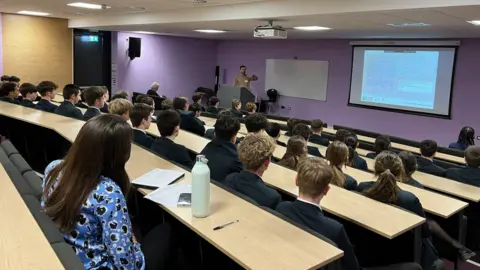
(103, 237)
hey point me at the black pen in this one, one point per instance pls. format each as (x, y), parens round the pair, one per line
(225, 225)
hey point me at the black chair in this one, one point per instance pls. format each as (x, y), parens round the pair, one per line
(445, 164)
(405, 141)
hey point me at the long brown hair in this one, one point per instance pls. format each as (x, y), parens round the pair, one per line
(337, 155)
(296, 149)
(389, 170)
(101, 148)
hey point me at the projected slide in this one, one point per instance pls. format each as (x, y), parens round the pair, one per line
(416, 79)
(400, 78)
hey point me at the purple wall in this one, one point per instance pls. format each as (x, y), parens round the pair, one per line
(466, 95)
(180, 65)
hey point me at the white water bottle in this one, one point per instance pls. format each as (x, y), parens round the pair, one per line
(201, 188)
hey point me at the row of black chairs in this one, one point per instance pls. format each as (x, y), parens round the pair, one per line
(29, 186)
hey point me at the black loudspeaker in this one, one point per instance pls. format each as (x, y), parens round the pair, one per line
(134, 47)
(217, 78)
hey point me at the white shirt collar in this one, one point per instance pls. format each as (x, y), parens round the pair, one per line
(139, 130)
(94, 108)
(305, 201)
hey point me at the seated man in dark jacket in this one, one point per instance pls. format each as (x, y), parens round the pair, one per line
(9, 93)
(141, 118)
(168, 124)
(71, 96)
(255, 153)
(29, 93)
(236, 108)
(304, 131)
(382, 143)
(428, 149)
(48, 91)
(154, 89)
(213, 104)
(316, 137)
(313, 178)
(188, 121)
(470, 174)
(221, 152)
(95, 98)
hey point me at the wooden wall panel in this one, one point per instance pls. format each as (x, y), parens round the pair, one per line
(37, 49)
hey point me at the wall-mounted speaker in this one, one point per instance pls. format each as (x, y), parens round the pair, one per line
(134, 47)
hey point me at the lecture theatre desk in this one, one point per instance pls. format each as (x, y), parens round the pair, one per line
(250, 243)
(382, 219)
(22, 242)
(403, 147)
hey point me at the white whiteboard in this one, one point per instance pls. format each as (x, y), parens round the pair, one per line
(298, 78)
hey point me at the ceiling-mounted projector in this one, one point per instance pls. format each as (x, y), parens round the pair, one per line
(270, 31)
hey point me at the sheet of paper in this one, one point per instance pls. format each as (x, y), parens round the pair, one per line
(169, 195)
(158, 178)
(208, 127)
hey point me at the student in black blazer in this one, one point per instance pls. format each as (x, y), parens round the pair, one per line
(95, 98)
(168, 124)
(316, 137)
(197, 99)
(213, 104)
(106, 96)
(221, 152)
(255, 123)
(29, 94)
(410, 166)
(255, 153)
(141, 118)
(471, 173)
(82, 104)
(304, 131)
(9, 93)
(313, 177)
(382, 143)
(122, 107)
(196, 109)
(188, 121)
(71, 95)
(354, 159)
(48, 91)
(428, 149)
(236, 108)
(389, 169)
(337, 155)
(291, 123)
(466, 138)
(296, 150)
(273, 130)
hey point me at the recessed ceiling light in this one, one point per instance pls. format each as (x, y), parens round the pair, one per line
(311, 28)
(476, 22)
(416, 24)
(145, 32)
(33, 13)
(210, 31)
(87, 5)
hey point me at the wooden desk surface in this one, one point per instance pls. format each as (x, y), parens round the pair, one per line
(339, 201)
(22, 242)
(447, 157)
(259, 241)
(380, 218)
(432, 202)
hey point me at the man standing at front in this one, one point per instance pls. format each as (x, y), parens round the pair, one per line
(243, 80)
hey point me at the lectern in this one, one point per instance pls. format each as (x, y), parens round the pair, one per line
(227, 93)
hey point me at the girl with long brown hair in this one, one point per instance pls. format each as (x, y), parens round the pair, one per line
(388, 170)
(85, 196)
(296, 150)
(410, 166)
(337, 155)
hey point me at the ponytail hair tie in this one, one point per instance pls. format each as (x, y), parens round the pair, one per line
(387, 171)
